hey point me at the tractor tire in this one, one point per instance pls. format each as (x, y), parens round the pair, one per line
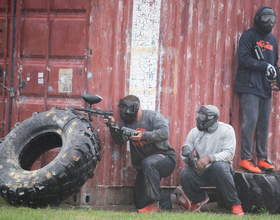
(63, 176)
(259, 192)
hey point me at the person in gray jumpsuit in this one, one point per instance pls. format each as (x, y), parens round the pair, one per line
(151, 154)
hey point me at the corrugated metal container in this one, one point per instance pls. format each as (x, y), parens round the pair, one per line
(90, 42)
(198, 63)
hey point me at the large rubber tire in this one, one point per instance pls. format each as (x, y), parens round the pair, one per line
(259, 192)
(62, 177)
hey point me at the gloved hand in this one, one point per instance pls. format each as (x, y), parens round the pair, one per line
(186, 151)
(270, 71)
(128, 132)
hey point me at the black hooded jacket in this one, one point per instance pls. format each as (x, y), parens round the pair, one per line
(250, 76)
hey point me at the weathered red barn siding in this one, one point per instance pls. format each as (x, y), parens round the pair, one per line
(197, 63)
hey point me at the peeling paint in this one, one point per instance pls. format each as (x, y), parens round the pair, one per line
(50, 89)
(89, 75)
(115, 155)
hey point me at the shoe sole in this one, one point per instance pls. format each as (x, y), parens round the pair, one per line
(182, 193)
(248, 170)
(239, 214)
(268, 169)
(205, 201)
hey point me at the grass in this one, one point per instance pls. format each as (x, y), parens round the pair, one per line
(66, 212)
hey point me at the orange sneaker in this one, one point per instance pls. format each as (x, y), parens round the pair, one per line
(150, 208)
(265, 165)
(237, 210)
(250, 165)
(197, 206)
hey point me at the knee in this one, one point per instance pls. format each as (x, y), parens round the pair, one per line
(220, 168)
(185, 176)
(146, 164)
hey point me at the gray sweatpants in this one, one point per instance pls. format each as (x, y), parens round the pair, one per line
(255, 112)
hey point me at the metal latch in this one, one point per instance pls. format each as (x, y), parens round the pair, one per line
(12, 93)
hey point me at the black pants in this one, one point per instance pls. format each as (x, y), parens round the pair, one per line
(219, 174)
(255, 118)
(147, 184)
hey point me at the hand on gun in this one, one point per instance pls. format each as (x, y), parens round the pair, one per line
(193, 158)
(191, 155)
(112, 120)
(131, 133)
(202, 163)
(274, 86)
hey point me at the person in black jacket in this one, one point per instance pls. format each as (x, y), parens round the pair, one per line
(255, 81)
(151, 154)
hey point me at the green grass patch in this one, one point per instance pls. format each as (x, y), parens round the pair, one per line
(66, 212)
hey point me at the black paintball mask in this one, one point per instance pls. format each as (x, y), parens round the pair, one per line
(128, 110)
(206, 116)
(265, 19)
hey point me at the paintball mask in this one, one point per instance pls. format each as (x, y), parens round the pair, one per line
(128, 110)
(265, 19)
(206, 116)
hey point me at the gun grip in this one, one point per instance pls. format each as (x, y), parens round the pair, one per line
(109, 124)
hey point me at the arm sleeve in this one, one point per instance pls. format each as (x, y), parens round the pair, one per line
(160, 130)
(190, 144)
(227, 148)
(245, 51)
(117, 135)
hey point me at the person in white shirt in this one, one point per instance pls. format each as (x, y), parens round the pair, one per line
(212, 146)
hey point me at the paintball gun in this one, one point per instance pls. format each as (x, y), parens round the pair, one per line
(128, 131)
(93, 99)
(187, 152)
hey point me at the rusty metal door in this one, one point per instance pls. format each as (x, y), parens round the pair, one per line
(50, 55)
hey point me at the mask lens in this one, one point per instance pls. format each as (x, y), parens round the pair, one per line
(266, 18)
(130, 110)
(123, 109)
(202, 117)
